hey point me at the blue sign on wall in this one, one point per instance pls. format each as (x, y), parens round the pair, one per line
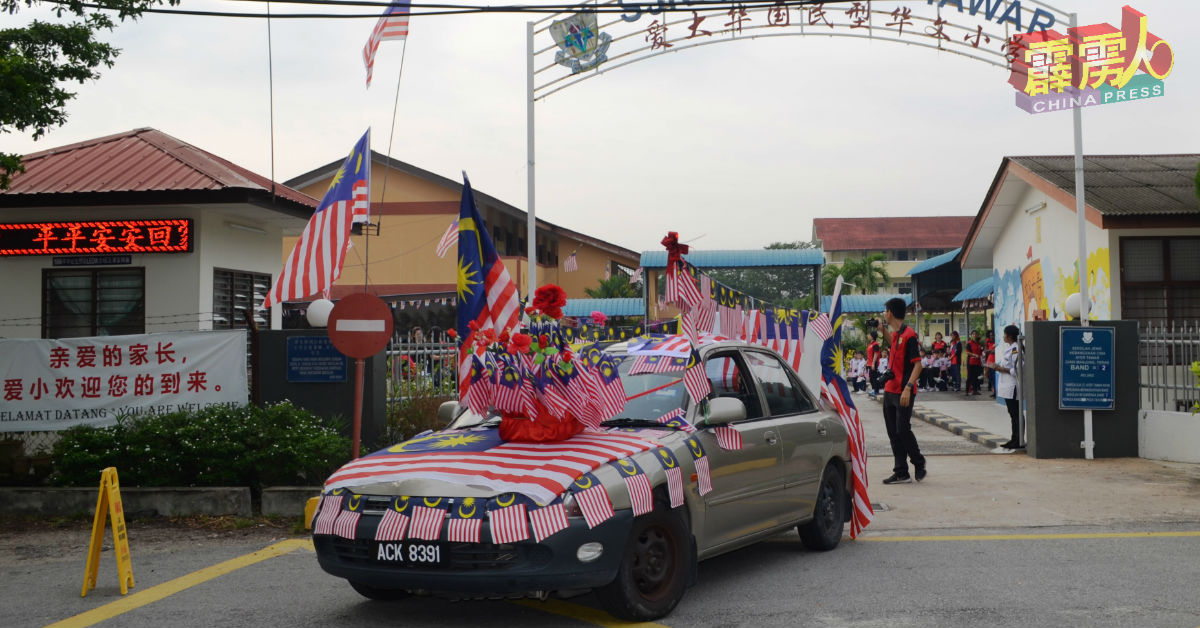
(313, 359)
(1086, 377)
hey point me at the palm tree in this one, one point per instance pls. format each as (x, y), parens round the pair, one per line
(614, 287)
(868, 274)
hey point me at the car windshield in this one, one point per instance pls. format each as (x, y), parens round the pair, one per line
(650, 396)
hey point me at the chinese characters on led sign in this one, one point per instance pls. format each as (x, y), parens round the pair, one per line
(96, 237)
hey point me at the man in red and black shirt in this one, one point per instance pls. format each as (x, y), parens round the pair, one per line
(873, 363)
(900, 391)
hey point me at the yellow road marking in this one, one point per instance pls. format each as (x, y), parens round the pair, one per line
(1032, 537)
(584, 614)
(171, 587)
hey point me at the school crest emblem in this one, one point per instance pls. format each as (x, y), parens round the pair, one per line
(1087, 337)
(581, 45)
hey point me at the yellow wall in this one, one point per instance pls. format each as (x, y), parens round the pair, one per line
(403, 257)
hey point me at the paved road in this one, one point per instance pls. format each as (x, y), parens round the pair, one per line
(1060, 577)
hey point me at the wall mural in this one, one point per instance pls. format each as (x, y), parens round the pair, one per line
(1023, 293)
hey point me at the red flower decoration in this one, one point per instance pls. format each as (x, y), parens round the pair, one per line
(521, 342)
(549, 296)
(543, 341)
(553, 312)
(452, 333)
(504, 337)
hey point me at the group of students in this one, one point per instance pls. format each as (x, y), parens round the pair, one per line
(941, 365)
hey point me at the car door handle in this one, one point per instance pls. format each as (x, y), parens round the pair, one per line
(771, 438)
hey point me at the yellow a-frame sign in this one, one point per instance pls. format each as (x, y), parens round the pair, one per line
(109, 504)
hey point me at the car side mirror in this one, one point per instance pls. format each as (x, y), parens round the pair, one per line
(447, 411)
(723, 410)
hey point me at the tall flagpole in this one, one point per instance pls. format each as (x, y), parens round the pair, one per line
(271, 98)
(1081, 267)
(391, 137)
(531, 216)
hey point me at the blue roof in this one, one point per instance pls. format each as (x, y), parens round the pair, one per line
(863, 303)
(608, 307)
(934, 262)
(981, 289)
(752, 258)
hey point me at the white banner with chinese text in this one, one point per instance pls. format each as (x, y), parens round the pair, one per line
(57, 384)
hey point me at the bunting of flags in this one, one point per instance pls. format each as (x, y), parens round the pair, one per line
(346, 524)
(331, 507)
(548, 520)
(426, 523)
(592, 499)
(674, 473)
(394, 523)
(641, 497)
(509, 519)
(465, 522)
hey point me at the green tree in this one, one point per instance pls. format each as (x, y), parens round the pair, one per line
(615, 287)
(868, 273)
(786, 286)
(37, 60)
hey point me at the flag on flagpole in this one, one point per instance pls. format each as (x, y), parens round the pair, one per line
(393, 24)
(836, 391)
(449, 239)
(487, 295)
(572, 263)
(316, 261)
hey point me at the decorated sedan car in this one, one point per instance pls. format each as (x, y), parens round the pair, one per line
(626, 507)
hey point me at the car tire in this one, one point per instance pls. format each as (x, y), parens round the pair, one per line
(654, 570)
(824, 531)
(378, 594)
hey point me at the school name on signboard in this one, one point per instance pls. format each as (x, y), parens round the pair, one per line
(57, 384)
(1090, 65)
(96, 237)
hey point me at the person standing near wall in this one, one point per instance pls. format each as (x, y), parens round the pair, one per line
(954, 352)
(974, 363)
(1006, 383)
(873, 362)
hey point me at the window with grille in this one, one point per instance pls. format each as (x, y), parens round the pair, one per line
(93, 302)
(1160, 279)
(234, 292)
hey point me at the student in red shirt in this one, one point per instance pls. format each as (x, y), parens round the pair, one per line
(955, 352)
(873, 362)
(900, 391)
(974, 363)
(989, 356)
(938, 343)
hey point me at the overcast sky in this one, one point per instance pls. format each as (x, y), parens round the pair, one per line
(738, 144)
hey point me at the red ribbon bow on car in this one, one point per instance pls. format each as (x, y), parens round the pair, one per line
(674, 250)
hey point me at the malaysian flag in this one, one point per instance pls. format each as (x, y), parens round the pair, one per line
(507, 513)
(549, 520)
(636, 277)
(592, 499)
(675, 419)
(703, 474)
(728, 438)
(426, 521)
(656, 364)
(695, 379)
(821, 327)
(466, 521)
(449, 239)
(838, 393)
(682, 286)
(481, 460)
(331, 507)
(612, 392)
(670, 466)
(346, 525)
(641, 497)
(487, 295)
(316, 260)
(393, 24)
(572, 263)
(394, 523)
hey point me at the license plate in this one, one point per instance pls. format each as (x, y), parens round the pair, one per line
(406, 553)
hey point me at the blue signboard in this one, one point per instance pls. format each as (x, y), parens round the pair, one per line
(313, 359)
(1087, 380)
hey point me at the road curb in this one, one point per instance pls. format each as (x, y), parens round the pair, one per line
(956, 426)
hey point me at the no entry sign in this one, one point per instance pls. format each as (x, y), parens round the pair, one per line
(360, 325)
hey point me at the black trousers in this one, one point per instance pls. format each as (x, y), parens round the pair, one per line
(1014, 413)
(898, 420)
(974, 371)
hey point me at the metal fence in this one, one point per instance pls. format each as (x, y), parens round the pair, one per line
(421, 364)
(1166, 353)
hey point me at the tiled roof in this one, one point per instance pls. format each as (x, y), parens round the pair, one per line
(884, 233)
(934, 262)
(136, 162)
(1126, 185)
(608, 307)
(754, 258)
(863, 303)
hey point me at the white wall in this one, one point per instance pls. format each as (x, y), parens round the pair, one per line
(178, 285)
(1172, 436)
(1114, 246)
(1047, 241)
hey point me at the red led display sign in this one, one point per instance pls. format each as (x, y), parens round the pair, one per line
(96, 237)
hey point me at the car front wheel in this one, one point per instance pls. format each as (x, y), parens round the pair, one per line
(653, 572)
(824, 531)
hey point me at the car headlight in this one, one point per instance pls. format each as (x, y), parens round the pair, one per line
(571, 506)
